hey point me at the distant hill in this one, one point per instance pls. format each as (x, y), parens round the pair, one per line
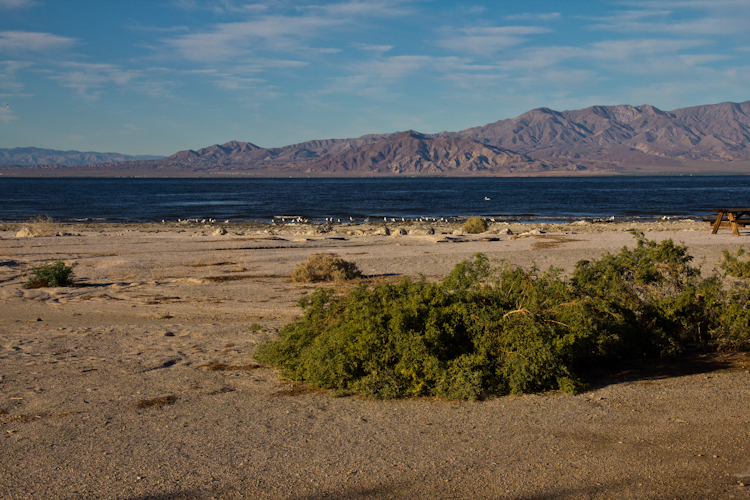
(597, 140)
(38, 156)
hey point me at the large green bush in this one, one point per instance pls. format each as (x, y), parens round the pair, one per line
(492, 329)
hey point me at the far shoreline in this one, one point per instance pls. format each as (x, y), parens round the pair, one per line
(358, 229)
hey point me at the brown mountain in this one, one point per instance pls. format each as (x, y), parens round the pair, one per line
(626, 137)
(237, 155)
(601, 139)
(412, 153)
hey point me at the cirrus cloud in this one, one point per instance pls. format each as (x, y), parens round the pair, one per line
(29, 41)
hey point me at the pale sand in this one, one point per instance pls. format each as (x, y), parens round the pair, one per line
(157, 304)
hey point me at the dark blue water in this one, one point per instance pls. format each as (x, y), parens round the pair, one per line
(511, 199)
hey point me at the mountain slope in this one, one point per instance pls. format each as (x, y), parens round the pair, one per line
(39, 156)
(412, 153)
(624, 134)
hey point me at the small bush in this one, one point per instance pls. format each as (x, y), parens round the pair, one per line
(39, 225)
(325, 267)
(475, 225)
(735, 267)
(51, 275)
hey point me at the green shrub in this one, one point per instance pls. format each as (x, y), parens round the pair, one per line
(492, 328)
(475, 225)
(735, 267)
(55, 274)
(655, 287)
(325, 267)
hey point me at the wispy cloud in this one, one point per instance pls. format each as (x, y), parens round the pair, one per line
(17, 4)
(705, 26)
(375, 48)
(220, 6)
(534, 16)
(233, 82)
(6, 114)
(376, 78)
(9, 83)
(708, 5)
(158, 29)
(90, 80)
(488, 40)
(356, 8)
(230, 41)
(683, 17)
(28, 41)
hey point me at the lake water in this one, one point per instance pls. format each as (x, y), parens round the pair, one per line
(509, 199)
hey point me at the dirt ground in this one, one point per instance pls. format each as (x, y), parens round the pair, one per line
(139, 382)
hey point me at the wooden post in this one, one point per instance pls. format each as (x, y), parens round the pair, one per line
(717, 224)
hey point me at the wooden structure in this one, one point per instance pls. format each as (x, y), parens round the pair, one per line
(731, 217)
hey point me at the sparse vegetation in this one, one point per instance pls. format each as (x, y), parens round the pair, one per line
(158, 402)
(51, 275)
(733, 266)
(325, 267)
(489, 328)
(475, 225)
(39, 225)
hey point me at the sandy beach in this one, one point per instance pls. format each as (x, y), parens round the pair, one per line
(139, 382)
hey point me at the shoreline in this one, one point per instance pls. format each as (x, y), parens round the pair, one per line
(369, 228)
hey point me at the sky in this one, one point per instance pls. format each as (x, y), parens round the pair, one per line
(160, 76)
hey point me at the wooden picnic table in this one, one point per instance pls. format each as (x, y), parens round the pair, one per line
(734, 218)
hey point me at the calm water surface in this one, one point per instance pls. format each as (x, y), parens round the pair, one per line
(525, 199)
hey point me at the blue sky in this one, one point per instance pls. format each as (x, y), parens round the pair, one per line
(159, 76)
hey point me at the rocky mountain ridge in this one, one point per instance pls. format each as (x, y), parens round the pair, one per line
(719, 132)
(597, 140)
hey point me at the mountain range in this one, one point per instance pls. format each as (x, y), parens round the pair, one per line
(597, 140)
(39, 156)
